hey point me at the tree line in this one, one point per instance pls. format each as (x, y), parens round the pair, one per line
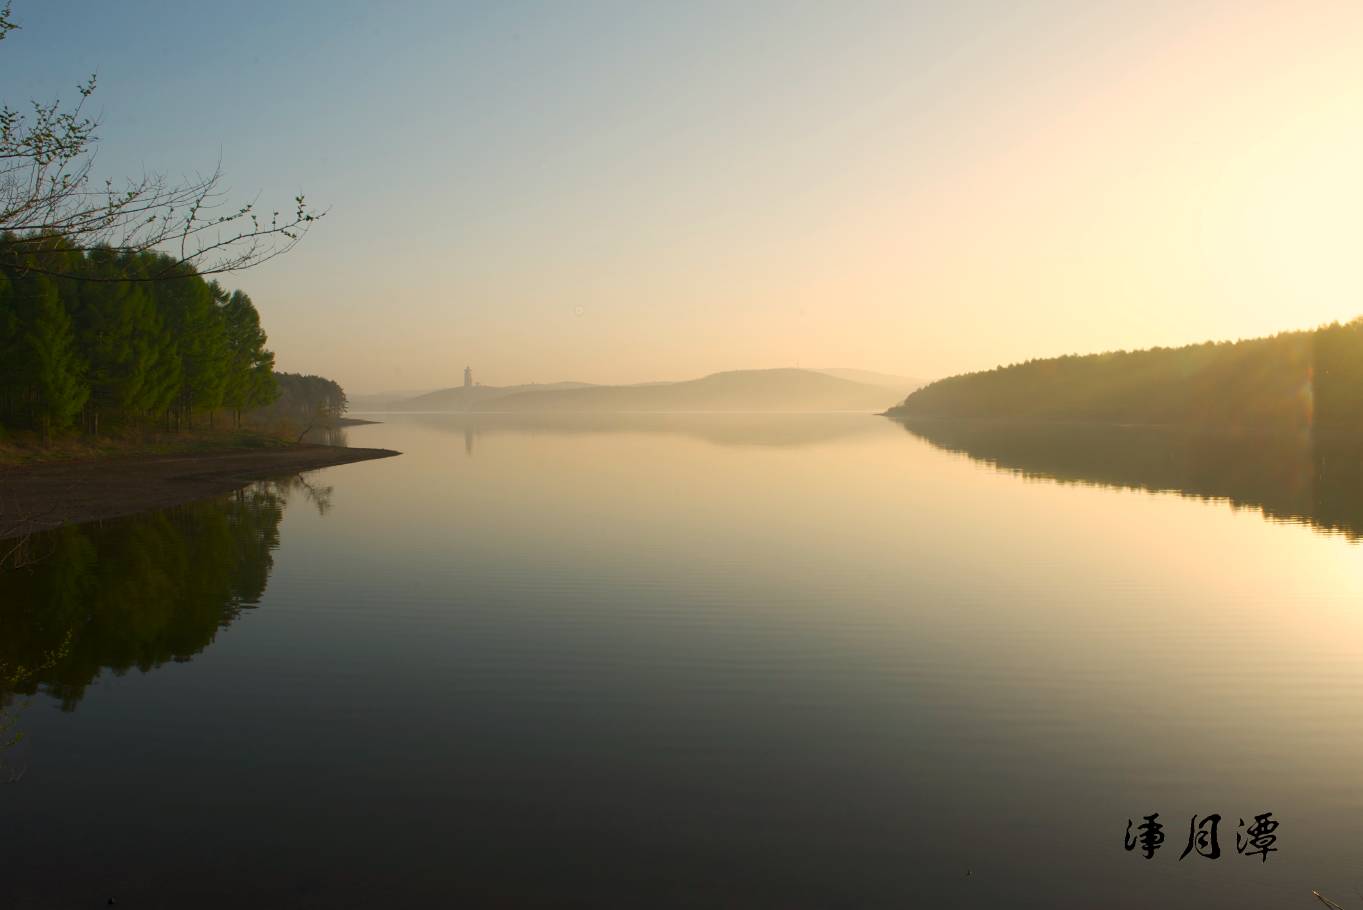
(107, 313)
(305, 399)
(1293, 381)
(88, 339)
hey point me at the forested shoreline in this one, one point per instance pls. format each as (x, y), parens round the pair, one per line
(97, 341)
(303, 400)
(1293, 381)
(88, 340)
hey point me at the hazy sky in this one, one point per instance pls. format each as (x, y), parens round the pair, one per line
(635, 191)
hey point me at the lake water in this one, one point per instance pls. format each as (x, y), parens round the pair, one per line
(738, 660)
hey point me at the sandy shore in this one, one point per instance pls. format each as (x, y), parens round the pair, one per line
(43, 496)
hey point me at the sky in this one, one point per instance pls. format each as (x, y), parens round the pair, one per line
(624, 192)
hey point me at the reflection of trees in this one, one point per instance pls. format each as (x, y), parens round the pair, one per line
(1291, 477)
(318, 496)
(135, 592)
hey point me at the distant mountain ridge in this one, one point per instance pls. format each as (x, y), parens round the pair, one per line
(462, 398)
(792, 390)
(901, 384)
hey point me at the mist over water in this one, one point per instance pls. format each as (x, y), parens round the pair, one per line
(682, 660)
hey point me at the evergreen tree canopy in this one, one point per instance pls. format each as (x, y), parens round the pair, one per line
(122, 348)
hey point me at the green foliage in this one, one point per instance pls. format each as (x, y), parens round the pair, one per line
(11, 368)
(251, 381)
(47, 350)
(104, 344)
(306, 399)
(1338, 376)
(133, 332)
(119, 332)
(1290, 382)
(138, 592)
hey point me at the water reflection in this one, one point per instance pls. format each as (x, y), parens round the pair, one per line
(719, 428)
(1318, 482)
(842, 675)
(136, 592)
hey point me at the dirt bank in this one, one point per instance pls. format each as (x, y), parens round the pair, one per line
(42, 496)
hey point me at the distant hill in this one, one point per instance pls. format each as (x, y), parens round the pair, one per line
(1290, 382)
(475, 397)
(788, 390)
(903, 385)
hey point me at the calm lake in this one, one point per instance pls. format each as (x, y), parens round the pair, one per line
(737, 660)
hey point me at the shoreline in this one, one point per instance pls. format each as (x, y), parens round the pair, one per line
(41, 497)
(1200, 429)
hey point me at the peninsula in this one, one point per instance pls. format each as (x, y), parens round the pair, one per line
(39, 497)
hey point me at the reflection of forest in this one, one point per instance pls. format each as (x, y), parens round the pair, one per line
(1289, 477)
(135, 592)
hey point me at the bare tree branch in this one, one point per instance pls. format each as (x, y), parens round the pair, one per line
(47, 157)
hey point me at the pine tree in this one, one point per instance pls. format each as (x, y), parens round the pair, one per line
(11, 359)
(250, 363)
(55, 368)
(194, 319)
(115, 325)
(103, 342)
